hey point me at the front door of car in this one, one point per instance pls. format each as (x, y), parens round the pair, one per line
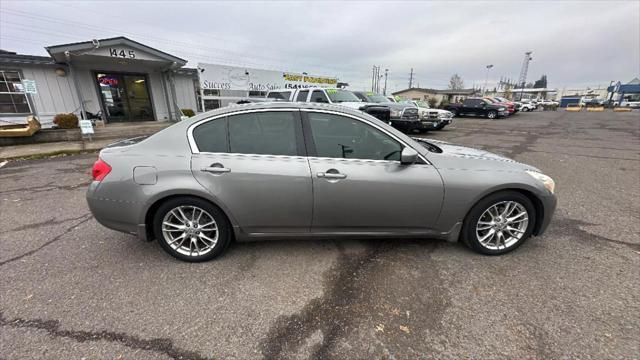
(254, 164)
(359, 184)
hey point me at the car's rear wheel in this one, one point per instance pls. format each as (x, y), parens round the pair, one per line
(191, 229)
(492, 114)
(499, 223)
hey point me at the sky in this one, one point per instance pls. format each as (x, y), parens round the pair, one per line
(575, 43)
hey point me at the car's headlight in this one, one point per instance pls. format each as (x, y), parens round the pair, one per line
(445, 115)
(548, 182)
(396, 113)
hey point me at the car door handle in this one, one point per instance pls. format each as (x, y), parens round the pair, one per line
(328, 175)
(216, 169)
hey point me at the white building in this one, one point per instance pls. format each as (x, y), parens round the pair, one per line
(117, 78)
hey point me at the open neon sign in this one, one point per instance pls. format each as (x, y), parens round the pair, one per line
(108, 80)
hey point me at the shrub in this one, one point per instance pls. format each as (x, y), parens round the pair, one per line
(444, 103)
(188, 112)
(66, 121)
(433, 102)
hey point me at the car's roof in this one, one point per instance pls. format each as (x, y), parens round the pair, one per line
(266, 105)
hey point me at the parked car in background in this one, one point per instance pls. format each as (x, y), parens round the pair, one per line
(630, 104)
(590, 101)
(440, 118)
(277, 170)
(508, 102)
(403, 116)
(332, 96)
(511, 107)
(478, 107)
(526, 106)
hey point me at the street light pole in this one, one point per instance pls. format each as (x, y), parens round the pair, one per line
(486, 78)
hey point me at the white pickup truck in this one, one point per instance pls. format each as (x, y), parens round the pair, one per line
(426, 113)
(331, 96)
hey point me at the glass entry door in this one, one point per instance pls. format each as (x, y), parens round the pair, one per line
(125, 97)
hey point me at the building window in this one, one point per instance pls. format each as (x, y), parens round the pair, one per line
(13, 99)
(211, 92)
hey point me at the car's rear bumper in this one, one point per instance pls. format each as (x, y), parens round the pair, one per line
(114, 214)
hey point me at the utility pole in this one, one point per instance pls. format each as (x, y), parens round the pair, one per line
(486, 78)
(411, 79)
(373, 78)
(386, 71)
(523, 72)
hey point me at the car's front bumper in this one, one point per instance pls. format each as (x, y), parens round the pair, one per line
(549, 203)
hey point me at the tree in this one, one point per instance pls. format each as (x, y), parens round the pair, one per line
(542, 83)
(456, 83)
(433, 102)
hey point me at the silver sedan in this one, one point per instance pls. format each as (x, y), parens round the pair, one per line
(304, 170)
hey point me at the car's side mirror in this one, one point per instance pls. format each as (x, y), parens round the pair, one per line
(408, 156)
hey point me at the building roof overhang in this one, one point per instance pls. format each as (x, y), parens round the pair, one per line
(90, 48)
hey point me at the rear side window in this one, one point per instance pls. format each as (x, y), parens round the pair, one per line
(212, 136)
(302, 95)
(268, 133)
(318, 96)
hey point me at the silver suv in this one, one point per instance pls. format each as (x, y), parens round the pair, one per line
(304, 170)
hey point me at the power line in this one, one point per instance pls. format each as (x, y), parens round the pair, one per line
(159, 40)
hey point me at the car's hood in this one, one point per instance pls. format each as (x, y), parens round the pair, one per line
(439, 111)
(396, 106)
(468, 155)
(357, 105)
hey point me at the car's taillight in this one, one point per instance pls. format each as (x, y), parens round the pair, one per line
(100, 170)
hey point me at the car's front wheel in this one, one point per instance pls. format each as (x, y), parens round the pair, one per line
(191, 229)
(492, 114)
(499, 223)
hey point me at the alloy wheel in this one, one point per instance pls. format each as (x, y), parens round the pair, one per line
(502, 225)
(190, 230)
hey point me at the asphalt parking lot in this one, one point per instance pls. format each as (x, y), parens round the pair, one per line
(73, 289)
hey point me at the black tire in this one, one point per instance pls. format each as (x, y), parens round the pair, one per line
(468, 233)
(222, 223)
(492, 115)
(440, 126)
(526, 109)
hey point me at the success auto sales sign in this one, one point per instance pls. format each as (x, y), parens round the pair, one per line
(223, 77)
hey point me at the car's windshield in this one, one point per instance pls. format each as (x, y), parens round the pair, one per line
(377, 98)
(339, 95)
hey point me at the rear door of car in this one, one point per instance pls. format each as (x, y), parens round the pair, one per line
(254, 164)
(359, 184)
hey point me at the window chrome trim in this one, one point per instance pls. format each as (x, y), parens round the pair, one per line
(368, 123)
(194, 146)
(196, 150)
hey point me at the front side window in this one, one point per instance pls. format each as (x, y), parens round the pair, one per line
(13, 99)
(268, 133)
(337, 136)
(318, 96)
